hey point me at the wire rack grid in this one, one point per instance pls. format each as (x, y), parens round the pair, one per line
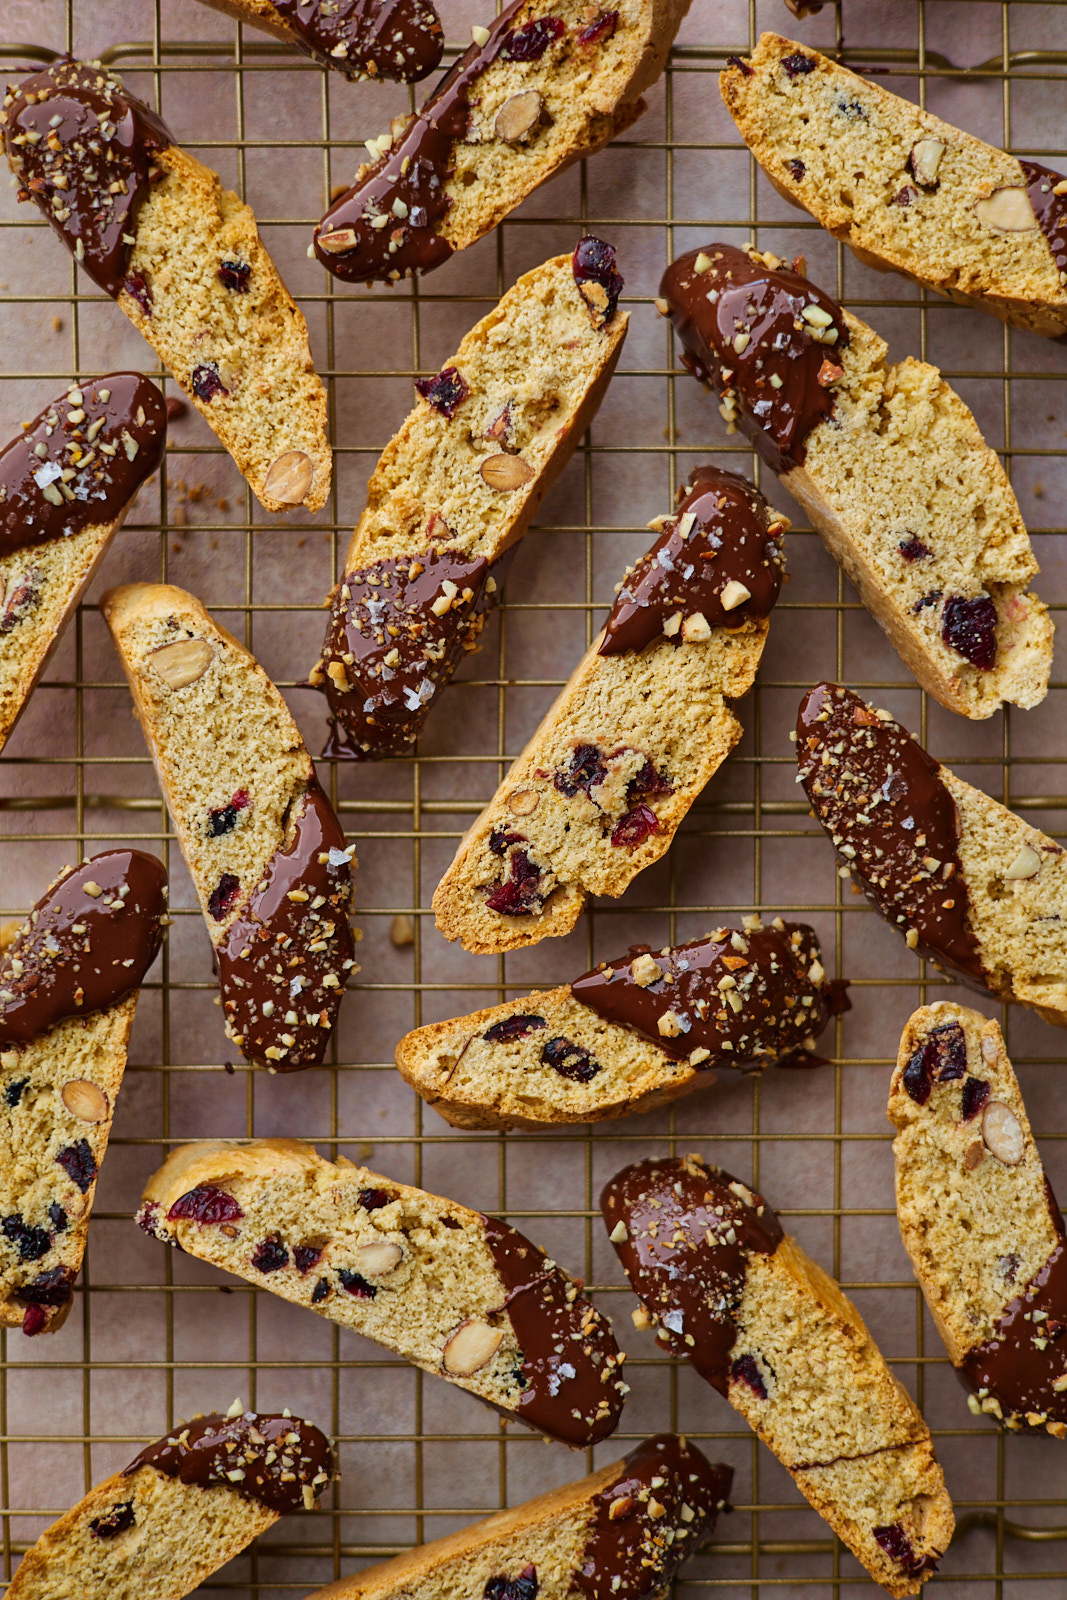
(153, 1337)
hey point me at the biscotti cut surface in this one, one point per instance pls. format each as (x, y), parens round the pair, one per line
(967, 883)
(978, 1218)
(905, 190)
(393, 39)
(545, 84)
(767, 1327)
(459, 1294)
(183, 259)
(888, 463)
(267, 855)
(454, 490)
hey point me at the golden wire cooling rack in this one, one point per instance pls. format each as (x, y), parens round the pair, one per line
(155, 1336)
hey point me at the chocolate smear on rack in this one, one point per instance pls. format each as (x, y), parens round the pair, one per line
(262, 1456)
(397, 39)
(81, 460)
(892, 821)
(284, 962)
(690, 1229)
(1049, 208)
(82, 149)
(88, 943)
(764, 338)
(716, 564)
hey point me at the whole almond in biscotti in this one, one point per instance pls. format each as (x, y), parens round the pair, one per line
(888, 463)
(965, 881)
(69, 982)
(979, 1219)
(398, 40)
(459, 1294)
(642, 724)
(921, 197)
(452, 494)
(182, 257)
(542, 85)
(266, 853)
(772, 1332)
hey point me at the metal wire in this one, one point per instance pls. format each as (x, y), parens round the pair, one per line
(81, 798)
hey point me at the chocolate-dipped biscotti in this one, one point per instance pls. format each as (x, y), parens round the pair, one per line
(966, 882)
(66, 484)
(182, 257)
(770, 1330)
(887, 462)
(68, 991)
(643, 723)
(453, 493)
(979, 1219)
(185, 1506)
(544, 84)
(906, 191)
(631, 1035)
(460, 1295)
(620, 1534)
(266, 853)
(398, 39)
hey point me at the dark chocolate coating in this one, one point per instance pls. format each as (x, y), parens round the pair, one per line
(762, 307)
(567, 1347)
(767, 969)
(197, 1453)
(95, 204)
(628, 1553)
(680, 1258)
(1050, 209)
(729, 541)
(881, 800)
(398, 39)
(96, 450)
(81, 952)
(278, 943)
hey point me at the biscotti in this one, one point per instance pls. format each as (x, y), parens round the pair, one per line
(979, 1219)
(631, 1035)
(398, 39)
(266, 853)
(624, 1531)
(906, 191)
(544, 84)
(68, 991)
(887, 462)
(66, 484)
(452, 494)
(772, 1332)
(183, 1508)
(643, 723)
(459, 1294)
(966, 882)
(182, 257)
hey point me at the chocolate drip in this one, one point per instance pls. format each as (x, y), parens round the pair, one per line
(289, 952)
(398, 39)
(108, 435)
(781, 999)
(1050, 208)
(88, 943)
(387, 652)
(262, 1456)
(634, 1550)
(89, 172)
(690, 1231)
(742, 325)
(880, 798)
(723, 533)
(570, 1361)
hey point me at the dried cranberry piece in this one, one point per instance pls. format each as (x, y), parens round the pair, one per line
(602, 27)
(941, 1058)
(518, 895)
(31, 1243)
(375, 1199)
(146, 1218)
(205, 1205)
(898, 1547)
(34, 1320)
(929, 599)
(916, 1078)
(270, 1255)
(499, 841)
(21, 598)
(970, 628)
(79, 1163)
(746, 1370)
(741, 64)
(797, 168)
(635, 826)
(906, 196)
(524, 1587)
(587, 769)
(797, 65)
(58, 1217)
(976, 1092)
(206, 382)
(306, 1256)
(235, 275)
(52, 1288)
(648, 781)
(138, 289)
(517, 1027)
(13, 1092)
(599, 284)
(223, 895)
(446, 393)
(357, 1285)
(223, 819)
(569, 1060)
(320, 1292)
(913, 549)
(530, 42)
(117, 1520)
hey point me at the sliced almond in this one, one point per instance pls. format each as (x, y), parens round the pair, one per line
(337, 241)
(183, 662)
(289, 477)
(470, 1347)
(1008, 210)
(505, 472)
(1027, 864)
(1003, 1134)
(377, 1259)
(924, 161)
(519, 116)
(84, 1100)
(523, 802)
